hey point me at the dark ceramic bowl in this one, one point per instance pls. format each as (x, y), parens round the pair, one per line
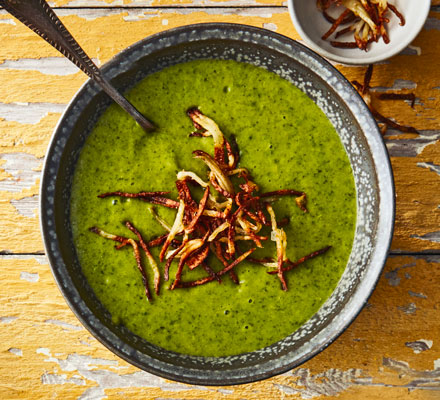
(359, 135)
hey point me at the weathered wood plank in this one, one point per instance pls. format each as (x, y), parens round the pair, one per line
(391, 351)
(37, 83)
(157, 3)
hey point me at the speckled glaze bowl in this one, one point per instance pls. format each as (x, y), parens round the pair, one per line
(358, 132)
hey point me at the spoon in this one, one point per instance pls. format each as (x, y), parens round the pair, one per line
(38, 16)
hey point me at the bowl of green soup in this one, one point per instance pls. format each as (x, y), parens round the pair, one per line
(297, 125)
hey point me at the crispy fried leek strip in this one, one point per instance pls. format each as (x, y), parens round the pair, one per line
(137, 256)
(368, 19)
(398, 14)
(335, 25)
(281, 242)
(192, 226)
(161, 221)
(356, 7)
(232, 154)
(218, 230)
(170, 257)
(201, 121)
(151, 197)
(364, 90)
(291, 265)
(136, 252)
(301, 197)
(175, 229)
(398, 96)
(267, 262)
(198, 282)
(150, 257)
(211, 272)
(133, 195)
(100, 232)
(187, 250)
(182, 175)
(186, 197)
(236, 262)
(213, 224)
(222, 179)
(198, 257)
(294, 264)
(216, 248)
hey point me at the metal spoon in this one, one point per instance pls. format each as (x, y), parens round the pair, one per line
(38, 16)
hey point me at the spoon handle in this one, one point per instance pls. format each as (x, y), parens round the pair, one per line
(38, 16)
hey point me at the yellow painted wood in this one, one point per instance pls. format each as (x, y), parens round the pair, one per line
(157, 3)
(45, 352)
(417, 194)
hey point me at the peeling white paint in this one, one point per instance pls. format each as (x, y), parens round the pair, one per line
(225, 391)
(393, 275)
(408, 309)
(425, 379)
(419, 345)
(88, 370)
(40, 259)
(29, 277)
(28, 113)
(26, 206)
(17, 352)
(164, 22)
(23, 170)
(54, 379)
(59, 66)
(7, 320)
(398, 84)
(437, 364)
(7, 21)
(328, 383)
(431, 237)
(411, 147)
(64, 325)
(271, 26)
(139, 15)
(431, 166)
(419, 295)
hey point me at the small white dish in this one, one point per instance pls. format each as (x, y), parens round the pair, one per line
(311, 26)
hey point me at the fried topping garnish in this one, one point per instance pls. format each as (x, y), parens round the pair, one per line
(150, 257)
(229, 224)
(368, 94)
(367, 20)
(136, 252)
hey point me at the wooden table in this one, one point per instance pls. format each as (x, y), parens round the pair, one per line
(391, 351)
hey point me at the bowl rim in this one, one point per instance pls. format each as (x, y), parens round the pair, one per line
(133, 356)
(392, 51)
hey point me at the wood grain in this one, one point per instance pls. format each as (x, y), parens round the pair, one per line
(391, 350)
(156, 3)
(37, 85)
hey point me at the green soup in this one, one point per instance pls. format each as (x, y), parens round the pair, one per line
(285, 141)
